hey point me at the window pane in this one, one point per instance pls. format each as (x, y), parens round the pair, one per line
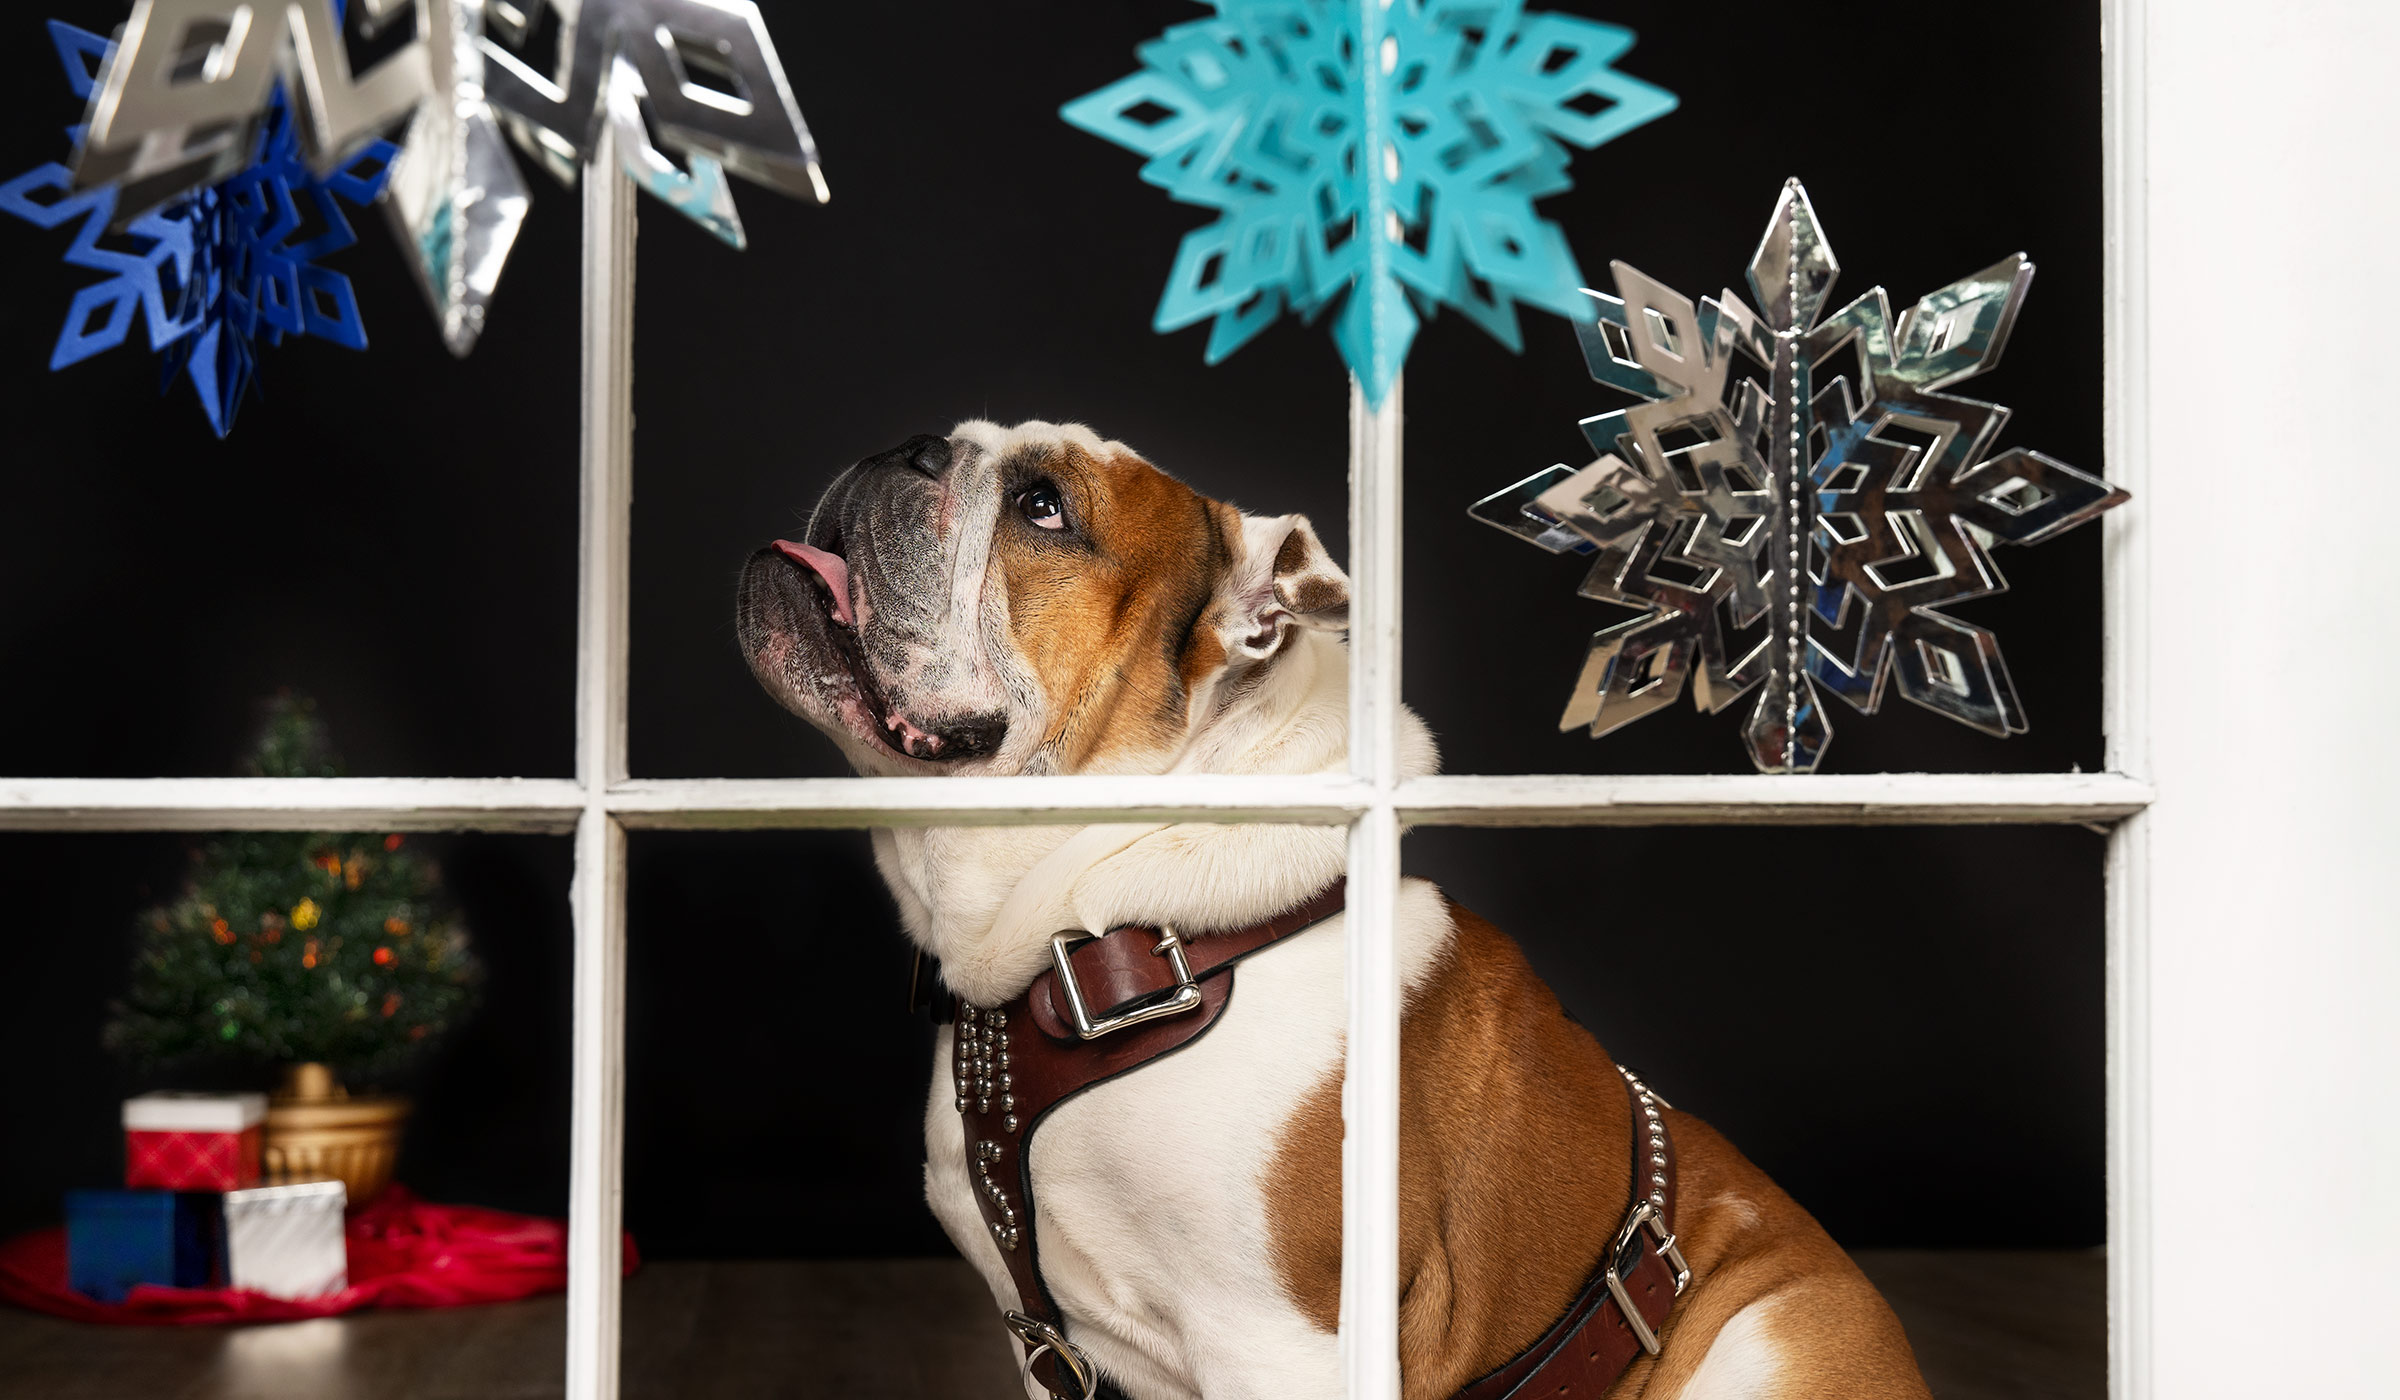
(490, 1118)
(947, 280)
(1496, 633)
(489, 1126)
(775, 1082)
(392, 531)
(775, 1095)
(741, 425)
(1912, 1045)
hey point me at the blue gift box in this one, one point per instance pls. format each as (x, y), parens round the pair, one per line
(116, 1239)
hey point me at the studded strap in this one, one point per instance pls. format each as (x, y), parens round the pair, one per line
(1012, 1064)
(1585, 1352)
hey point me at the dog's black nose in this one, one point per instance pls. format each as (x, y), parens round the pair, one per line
(924, 453)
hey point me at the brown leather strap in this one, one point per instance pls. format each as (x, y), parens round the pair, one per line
(1127, 965)
(1014, 1063)
(1584, 1352)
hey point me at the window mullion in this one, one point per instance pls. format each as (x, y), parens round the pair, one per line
(1371, 1084)
(1769, 799)
(554, 805)
(2125, 686)
(595, 1191)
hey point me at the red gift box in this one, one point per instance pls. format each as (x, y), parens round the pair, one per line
(193, 1142)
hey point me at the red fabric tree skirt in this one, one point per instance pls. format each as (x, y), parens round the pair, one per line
(404, 1253)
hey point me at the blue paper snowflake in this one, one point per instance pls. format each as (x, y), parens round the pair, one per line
(1260, 113)
(213, 274)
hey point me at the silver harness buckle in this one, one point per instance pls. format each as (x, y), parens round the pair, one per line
(1170, 1001)
(1628, 1238)
(1041, 1336)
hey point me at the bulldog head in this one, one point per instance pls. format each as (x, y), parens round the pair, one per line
(1026, 600)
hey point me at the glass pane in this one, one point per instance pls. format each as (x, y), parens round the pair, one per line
(1913, 1047)
(1496, 631)
(392, 531)
(775, 1100)
(488, 1124)
(741, 427)
(775, 1085)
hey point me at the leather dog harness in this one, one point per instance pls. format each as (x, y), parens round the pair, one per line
(1114, 1002)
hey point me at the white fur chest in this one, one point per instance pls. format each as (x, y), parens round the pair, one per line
(1150, 1189)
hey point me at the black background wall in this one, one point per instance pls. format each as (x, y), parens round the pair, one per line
(1910, 1037)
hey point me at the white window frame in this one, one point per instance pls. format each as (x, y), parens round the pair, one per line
(601, 802)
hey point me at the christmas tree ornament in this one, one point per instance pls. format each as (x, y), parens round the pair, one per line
(182, 104)
(287, 1241)
(150, 276)
(215, 273)
(193, 1142)
(704, 71)
(185, 103)
(1383, 155)
(702, 194)
(456, 198)
(1785, 527)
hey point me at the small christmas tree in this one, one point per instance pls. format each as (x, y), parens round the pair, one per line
(288, 948)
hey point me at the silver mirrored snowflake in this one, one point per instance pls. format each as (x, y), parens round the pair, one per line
(1786, 526)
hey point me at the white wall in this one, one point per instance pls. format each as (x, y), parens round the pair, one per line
(2272, 229)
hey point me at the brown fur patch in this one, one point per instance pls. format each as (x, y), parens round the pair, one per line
(1513, 1163)
(1515, 1141)
(1302, 582)
(1315, 593)
(1108, 619)
(1293, 556)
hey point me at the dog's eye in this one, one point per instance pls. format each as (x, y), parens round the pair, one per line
(1041, 505)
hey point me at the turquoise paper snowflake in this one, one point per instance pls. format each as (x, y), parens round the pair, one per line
(1260, 112)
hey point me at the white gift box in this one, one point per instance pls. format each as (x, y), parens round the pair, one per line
(287, 1241)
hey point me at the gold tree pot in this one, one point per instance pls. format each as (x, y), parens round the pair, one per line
(316, 1131)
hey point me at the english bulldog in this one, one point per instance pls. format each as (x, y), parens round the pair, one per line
(1036, 599)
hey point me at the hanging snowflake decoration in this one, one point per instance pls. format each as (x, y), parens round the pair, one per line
(213, 273)
(1392, 152)
(1787, 527)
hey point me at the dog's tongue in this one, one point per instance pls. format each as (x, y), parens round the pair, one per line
(828, 566)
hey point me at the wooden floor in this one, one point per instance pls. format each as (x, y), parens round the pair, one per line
(1986, 1326)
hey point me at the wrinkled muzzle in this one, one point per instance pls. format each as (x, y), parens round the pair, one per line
(879, 625)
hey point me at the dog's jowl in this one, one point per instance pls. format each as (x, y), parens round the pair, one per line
(1146, 1167)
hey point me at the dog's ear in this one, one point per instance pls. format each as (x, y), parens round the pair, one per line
(1307, 581)
(1283, 579)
